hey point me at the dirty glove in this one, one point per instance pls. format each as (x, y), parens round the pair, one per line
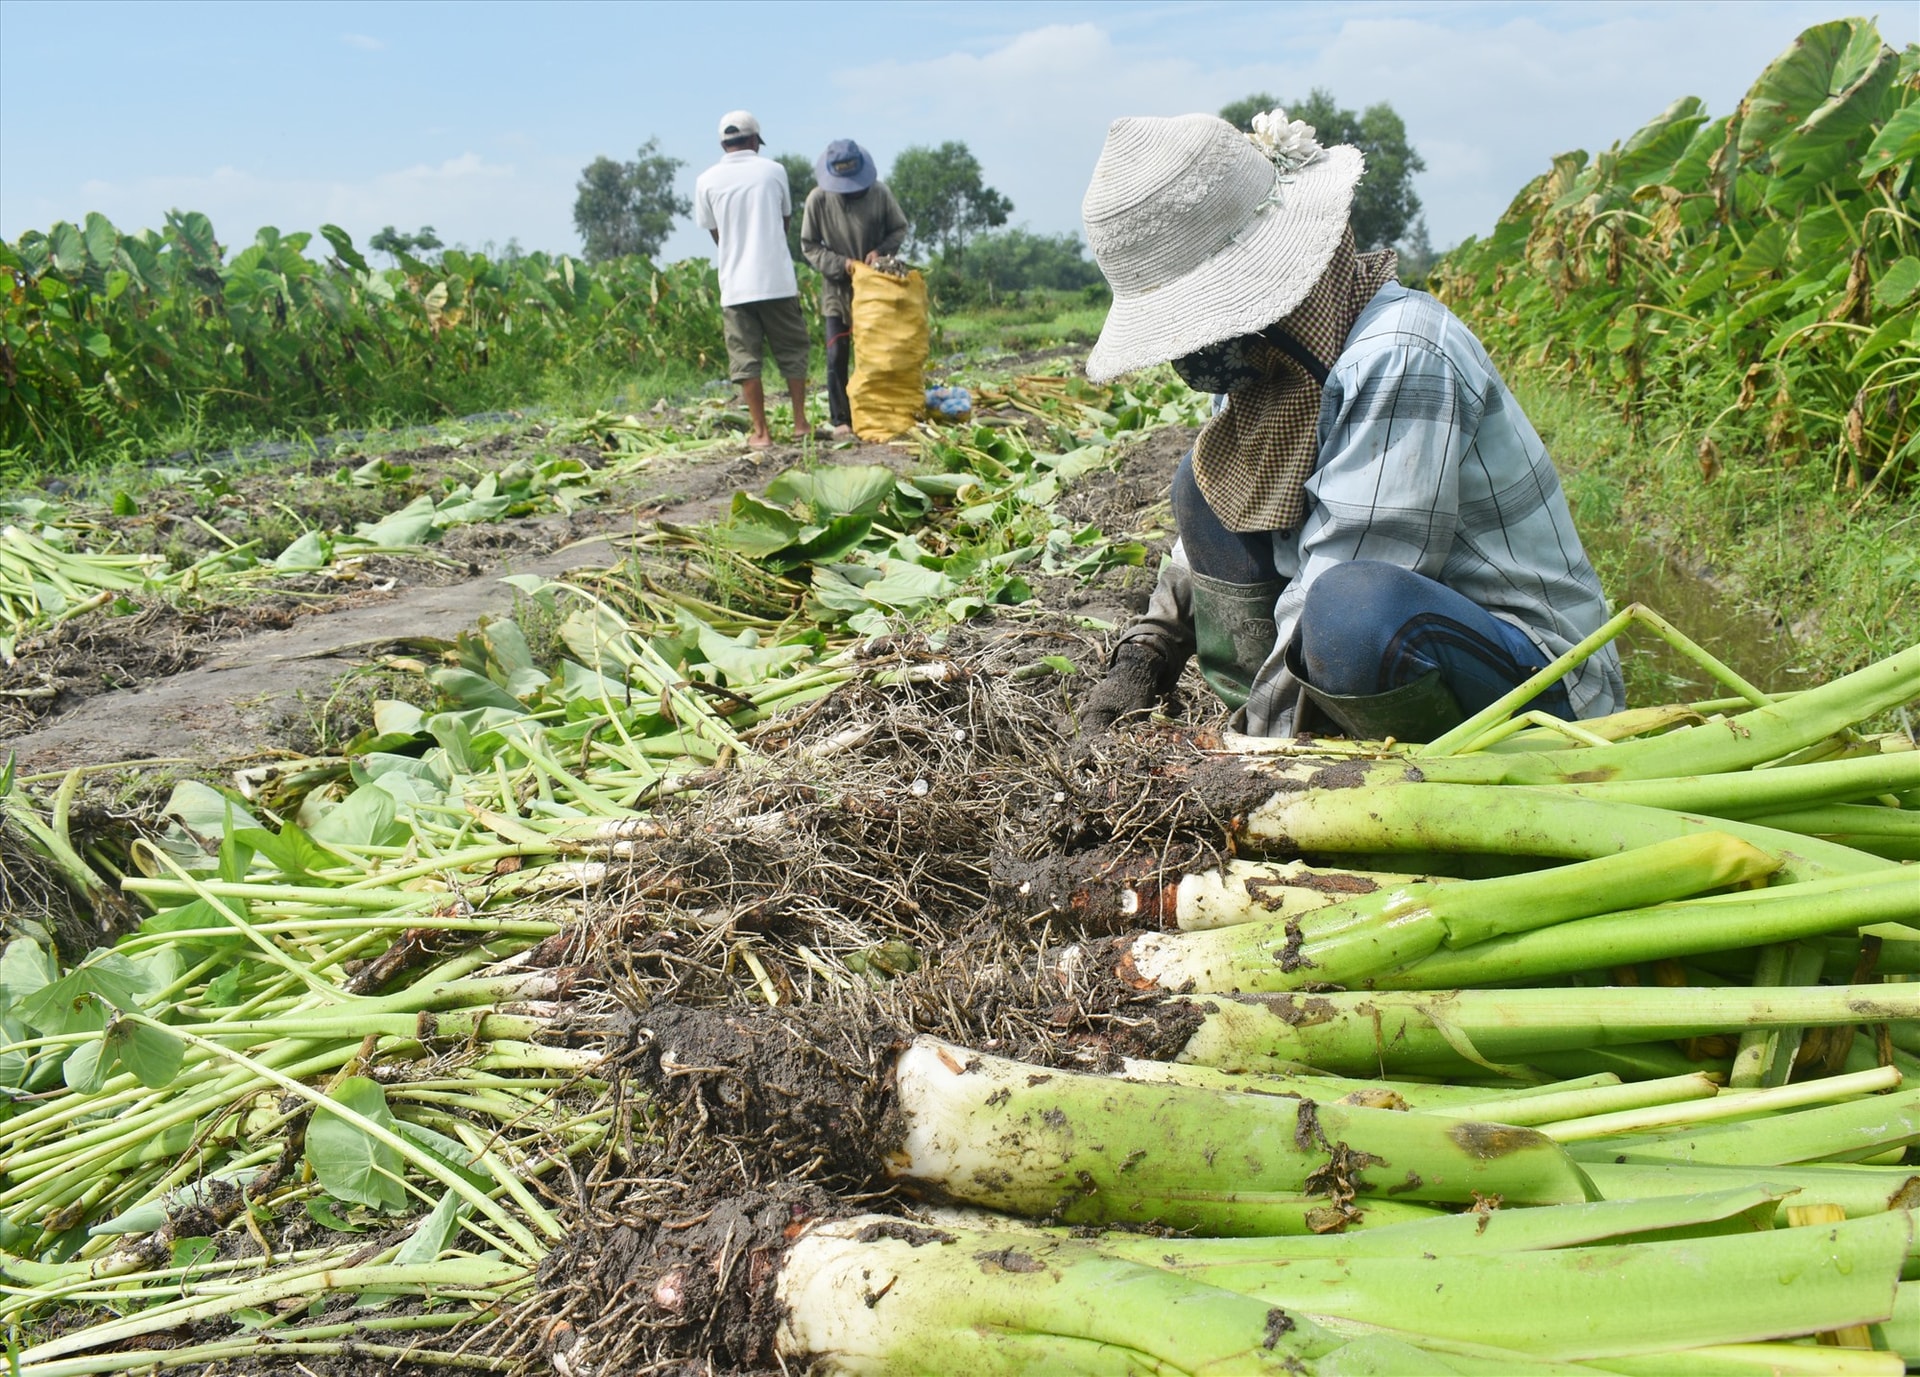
(1140, 674)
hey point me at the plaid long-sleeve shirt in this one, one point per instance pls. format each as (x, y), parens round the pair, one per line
(1426, 461)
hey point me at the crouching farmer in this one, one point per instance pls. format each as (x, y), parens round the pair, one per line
(1370, 532)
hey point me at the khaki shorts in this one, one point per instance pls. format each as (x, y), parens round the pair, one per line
(756, 328)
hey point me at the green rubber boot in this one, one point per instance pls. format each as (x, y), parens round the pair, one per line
(1418, 711)
(1233, 633)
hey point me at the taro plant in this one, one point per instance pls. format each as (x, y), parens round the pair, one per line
(1752, 280)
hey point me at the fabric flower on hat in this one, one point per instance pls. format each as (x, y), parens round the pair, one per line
(1289, 144)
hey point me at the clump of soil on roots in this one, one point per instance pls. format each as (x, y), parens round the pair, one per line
(874, 869)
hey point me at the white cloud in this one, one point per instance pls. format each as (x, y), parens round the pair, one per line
(363, 42)
(1488, 95)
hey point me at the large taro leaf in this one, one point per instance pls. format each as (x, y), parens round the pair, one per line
(834, 491)
(905, 587)
(1813, 109)
(411, 525)
(824, 544)
(744, 663)
(757, 528)
(366, 817)
(1651, 152)
(472, 690)
(1897, 142)
(352, 1164)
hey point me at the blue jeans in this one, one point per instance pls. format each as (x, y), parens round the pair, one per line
(1368, 626)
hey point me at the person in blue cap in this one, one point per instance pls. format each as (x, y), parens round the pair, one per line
(849, 215)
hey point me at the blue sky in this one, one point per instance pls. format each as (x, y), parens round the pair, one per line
(477, 117)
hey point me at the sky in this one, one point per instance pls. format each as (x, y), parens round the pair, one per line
(476, 118)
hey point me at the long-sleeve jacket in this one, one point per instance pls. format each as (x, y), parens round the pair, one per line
(1425, 461)
(835, 227)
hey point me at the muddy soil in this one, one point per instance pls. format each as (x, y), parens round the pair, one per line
(211, 686)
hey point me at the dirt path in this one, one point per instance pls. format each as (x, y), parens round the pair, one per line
(260, 691)
(254, 688)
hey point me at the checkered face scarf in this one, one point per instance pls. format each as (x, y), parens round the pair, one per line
(1253, 459)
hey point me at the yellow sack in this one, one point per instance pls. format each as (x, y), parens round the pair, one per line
(888, 387)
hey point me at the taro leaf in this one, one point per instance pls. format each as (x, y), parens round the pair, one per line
(152, 1054)
(81, 1000)
(223, 991)
(343, 248)
(365, 818)
(507, 645)
(1651, 151)
(205, 811)
(948, 485)
(1893, 330)
(836, 538)
(322, 1212)
(577, 681)
(1899, 282)
(757, 528)
(394, 718)
(424, 1245)
(1813, 103)
(905, 587)
(448, 1152)
(835, 490)
(744, 663)
(193, 916)
(472, 690)
(292, 852)
(25, 967)
(124, 505)
(311, 551)
(411, 525)
(837, 589)
(351, 1164)
(1077, 463)
(1897, 142)
(193, 1252)
(85, 1069)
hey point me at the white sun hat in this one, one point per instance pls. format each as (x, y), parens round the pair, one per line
(1205, 233)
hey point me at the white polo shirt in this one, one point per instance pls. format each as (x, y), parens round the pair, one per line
(746, 198)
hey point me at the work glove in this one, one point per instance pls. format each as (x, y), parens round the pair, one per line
(1140, 675)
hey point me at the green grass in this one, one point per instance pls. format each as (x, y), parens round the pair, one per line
(120, 456)
(1038, 320)
(1839, 573)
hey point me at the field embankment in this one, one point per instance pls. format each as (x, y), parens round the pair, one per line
(1742, 294)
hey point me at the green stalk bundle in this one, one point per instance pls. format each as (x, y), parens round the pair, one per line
(1348, 942)
(1088, 1149)
(1469, 1032)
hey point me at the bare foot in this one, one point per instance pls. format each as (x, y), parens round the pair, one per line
(843, 432)
(760, 442)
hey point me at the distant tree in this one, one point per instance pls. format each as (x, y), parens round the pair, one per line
(945, 197)
(1417, 255)
(628, 208)
(1017, 260)
(800, 177)
(394, 243)
(1385, 206)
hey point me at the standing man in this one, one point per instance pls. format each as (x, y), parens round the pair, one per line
(849, 215)
(745, 203)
